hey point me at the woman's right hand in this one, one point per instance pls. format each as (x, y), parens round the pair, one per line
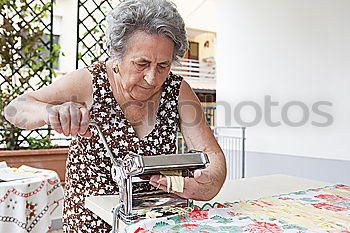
(69, 118)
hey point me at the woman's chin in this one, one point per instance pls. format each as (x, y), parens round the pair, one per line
(141, 96)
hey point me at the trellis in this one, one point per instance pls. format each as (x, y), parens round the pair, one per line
(31, 73)
(27, 59)
(91, 27)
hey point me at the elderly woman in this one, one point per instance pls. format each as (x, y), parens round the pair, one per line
(135, 99)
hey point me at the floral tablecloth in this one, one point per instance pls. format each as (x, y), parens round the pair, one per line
(325, 209)
(27, 205)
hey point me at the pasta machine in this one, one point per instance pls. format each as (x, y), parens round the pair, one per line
(129, 171)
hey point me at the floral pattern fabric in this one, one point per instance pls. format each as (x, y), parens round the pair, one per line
(326, 209)
(30, 204)
(88, 165)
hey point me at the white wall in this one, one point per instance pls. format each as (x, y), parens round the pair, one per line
(67, 29)
(291, 50)
(199, 14)
(328, 170)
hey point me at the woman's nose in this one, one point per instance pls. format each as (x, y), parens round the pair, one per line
(150, 77)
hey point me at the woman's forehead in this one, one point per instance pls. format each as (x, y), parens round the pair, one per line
(147, 46)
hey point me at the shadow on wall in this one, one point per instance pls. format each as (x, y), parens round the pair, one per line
(328, 170)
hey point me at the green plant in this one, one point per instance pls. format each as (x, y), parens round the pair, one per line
(34, 143)
(26, 59)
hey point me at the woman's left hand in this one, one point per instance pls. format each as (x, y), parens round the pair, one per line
(201, 187)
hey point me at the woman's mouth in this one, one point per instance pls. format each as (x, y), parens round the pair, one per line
(147, 88)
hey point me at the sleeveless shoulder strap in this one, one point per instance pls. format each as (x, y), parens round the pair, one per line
(169, 102)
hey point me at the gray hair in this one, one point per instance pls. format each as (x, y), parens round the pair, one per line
(151, 16)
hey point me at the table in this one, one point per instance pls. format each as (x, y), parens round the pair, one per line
(233, 190)
(28, 205)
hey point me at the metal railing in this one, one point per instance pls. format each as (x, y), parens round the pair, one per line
(181, 145)
(209, 113)
(56, 140)
(232, 142)
(190, 68)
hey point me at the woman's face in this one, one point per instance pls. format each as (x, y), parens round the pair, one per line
(145, 64)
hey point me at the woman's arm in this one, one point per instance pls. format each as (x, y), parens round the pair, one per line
(198, 136)
(64, 105)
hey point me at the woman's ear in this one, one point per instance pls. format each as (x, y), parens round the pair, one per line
(115, 68)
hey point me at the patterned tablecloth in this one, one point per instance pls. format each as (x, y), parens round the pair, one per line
(325, 209)
(28, 205)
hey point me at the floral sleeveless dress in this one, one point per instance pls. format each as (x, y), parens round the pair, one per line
(88, 165)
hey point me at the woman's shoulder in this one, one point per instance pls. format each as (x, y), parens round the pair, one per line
(185, 88)
(186, 93)
(79, 81)
(80, 76)
(74, 86)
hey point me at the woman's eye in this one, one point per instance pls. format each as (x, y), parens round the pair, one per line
(163, 66)
(141, 65)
